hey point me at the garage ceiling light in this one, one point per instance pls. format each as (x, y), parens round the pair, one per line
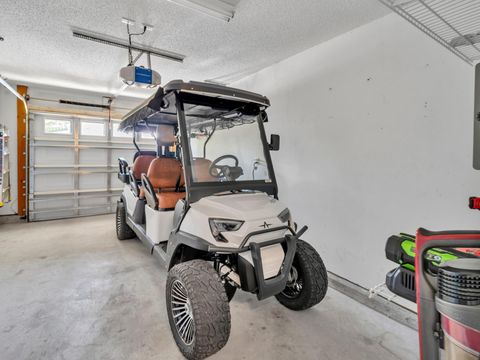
(215, 8)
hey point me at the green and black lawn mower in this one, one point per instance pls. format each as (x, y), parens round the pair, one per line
(440, 271)
(401, 250)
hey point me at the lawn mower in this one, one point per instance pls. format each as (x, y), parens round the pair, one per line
(205, 203)
(440, 271)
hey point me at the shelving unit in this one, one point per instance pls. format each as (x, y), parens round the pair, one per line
(452, 23)
(4, 167)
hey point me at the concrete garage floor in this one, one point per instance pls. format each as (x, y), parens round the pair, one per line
(71, 290)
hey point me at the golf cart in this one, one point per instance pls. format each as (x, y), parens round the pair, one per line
(206, 204)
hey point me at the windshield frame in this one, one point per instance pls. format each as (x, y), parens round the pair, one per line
(197, 190)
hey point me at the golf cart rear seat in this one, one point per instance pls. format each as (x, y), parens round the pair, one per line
(140, 166)
(163, 183)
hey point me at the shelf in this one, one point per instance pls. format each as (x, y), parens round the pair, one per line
(454, 23)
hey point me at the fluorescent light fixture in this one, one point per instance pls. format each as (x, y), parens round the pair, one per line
(214, 8)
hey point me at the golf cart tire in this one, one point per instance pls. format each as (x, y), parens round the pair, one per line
(315, 279)
(123, 230)
(209, 306)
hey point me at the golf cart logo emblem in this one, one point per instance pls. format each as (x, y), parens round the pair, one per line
(265, 225)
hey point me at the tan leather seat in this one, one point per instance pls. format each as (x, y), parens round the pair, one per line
(141, 165)
(201, 170)
(164, 174)
(168, 199)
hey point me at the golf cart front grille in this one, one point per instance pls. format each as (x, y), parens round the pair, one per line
(271, 286)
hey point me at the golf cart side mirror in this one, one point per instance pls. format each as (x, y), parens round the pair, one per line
(274, 142)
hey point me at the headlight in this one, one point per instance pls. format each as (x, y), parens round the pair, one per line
(285, 216)
(217, 226)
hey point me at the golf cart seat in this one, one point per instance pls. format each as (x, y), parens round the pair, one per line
(162, 183)
(201, 170)
(140, 166)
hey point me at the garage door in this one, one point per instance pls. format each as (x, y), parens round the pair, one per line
(73, 165)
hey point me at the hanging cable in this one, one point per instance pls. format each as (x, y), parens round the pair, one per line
(130, 55)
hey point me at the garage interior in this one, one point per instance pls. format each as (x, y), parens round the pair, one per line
(373, 102)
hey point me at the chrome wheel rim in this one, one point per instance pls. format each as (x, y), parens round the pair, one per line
(294, 284)
(182, 312)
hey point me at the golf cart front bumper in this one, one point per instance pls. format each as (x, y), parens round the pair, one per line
(252, 277)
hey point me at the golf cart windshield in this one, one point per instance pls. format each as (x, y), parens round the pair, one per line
(225, 145)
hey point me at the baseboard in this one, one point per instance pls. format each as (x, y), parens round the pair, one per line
(10, 219)
(378, 303)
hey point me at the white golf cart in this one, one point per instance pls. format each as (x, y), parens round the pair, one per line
(205, 203)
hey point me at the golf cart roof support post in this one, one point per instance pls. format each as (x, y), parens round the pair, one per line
(266, 151)
(135, 140)
(184, 146)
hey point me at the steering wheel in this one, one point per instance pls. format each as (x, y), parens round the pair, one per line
(226, 171)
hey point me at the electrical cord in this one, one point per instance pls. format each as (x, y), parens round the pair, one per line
(130, 55)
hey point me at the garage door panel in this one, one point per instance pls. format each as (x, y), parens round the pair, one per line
(56, 182)
(92, 181)
(95, 156)
(116, 183)
(73, 166)
(54, 155)
(101, 200)
(55, 205)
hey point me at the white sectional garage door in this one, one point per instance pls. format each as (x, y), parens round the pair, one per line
(73, 165)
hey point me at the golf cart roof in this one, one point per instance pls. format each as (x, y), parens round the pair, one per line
(160, 107)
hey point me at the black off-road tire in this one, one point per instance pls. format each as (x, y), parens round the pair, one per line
(314, 277)
(124, 231)
(209, 307)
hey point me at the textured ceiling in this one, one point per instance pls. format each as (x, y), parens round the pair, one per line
(39, 47)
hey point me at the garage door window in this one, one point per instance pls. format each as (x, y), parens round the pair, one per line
(92, 128)
(117, 133)
(146, 136)
(57, 127)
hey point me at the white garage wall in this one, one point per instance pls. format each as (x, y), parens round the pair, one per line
(376, 130)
